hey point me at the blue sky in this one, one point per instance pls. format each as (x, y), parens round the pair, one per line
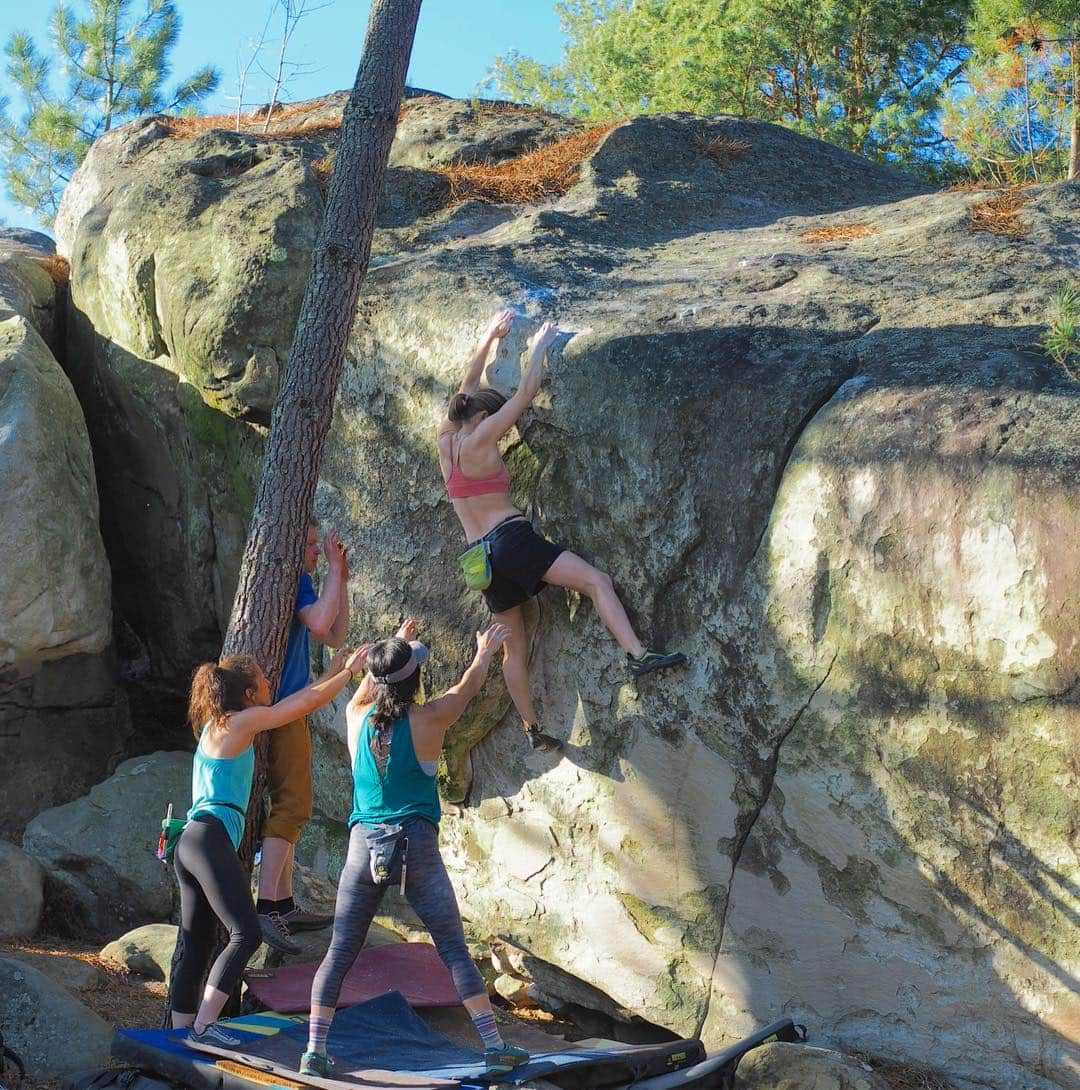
(456, 43)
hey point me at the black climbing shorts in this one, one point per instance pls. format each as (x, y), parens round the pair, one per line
(519, 558)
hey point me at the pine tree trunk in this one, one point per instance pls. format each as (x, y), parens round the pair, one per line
(270, 569)
(1074, 141)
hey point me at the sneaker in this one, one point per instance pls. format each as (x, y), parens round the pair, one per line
(275, 933)
(316, 1063)
(302, 920)
(214, 1034)
(653, 660)
(541, 742)
(501, 1061)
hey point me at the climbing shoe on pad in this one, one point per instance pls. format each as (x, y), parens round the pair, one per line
(316, 1063)
(501, 1061)
(214, 1034)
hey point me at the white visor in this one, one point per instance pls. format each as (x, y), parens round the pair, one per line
(417, 658)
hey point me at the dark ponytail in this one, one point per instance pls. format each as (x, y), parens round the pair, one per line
(466, 406)
(220, 687)
(392, 699)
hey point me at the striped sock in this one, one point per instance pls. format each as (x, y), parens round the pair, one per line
(489, 1032)
(318, 1031)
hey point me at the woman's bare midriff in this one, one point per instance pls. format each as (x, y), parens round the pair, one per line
(481, 514)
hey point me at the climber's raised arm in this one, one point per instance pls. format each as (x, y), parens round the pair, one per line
(431, 721)
(497, 329)
(499, 423)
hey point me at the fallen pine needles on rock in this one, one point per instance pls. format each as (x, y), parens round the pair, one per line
(549, 171)
(58, 268)
(841, 232)
(722, 150)
(1001, 215)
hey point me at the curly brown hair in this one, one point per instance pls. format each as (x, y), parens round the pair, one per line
(221, 687)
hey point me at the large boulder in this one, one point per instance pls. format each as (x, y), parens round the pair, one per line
(53, 1033)
(23, 883)
(145, 951)
(102, 847)
(780, 1066)
(800, 423)
(62, 719)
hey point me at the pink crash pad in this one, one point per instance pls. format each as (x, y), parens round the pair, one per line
(412, 968)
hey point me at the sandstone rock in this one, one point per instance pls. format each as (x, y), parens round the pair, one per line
(23, 883)
(780, 1066)
(62, 718)
(71, 974)
(436, 132)
(52, 1032)
(515, 991)
(55, 581)
(147, 951)
(833, 474)
(102, 846)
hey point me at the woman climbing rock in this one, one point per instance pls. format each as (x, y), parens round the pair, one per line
(394, 746)
(521, 560)
(230, 704)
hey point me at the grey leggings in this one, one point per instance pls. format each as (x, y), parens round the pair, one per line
(212, 884)
(428, 890)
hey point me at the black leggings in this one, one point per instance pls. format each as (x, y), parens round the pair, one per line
(212, 884)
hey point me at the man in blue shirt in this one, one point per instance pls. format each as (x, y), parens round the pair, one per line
(326, 617)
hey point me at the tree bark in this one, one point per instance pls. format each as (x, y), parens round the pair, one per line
(1074, 139)
(270, 569)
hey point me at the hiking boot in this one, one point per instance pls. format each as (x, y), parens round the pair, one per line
(653, 660)
(275, 933)
(214, 1034)
(299, 919)
(316, 1063)
(541, 742)
(501, 1061)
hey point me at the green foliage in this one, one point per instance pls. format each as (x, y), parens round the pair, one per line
(1012, 121)
(114, 64)
(1061, 342)
(865, 74)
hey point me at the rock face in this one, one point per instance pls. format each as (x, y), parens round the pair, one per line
(780, 1066)
(101, 847)
(23, 883)
(829, 467)
(52, 1032)
(62, 720)
(147, 951)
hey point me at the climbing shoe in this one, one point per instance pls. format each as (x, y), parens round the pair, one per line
(299, 919)
(275, 933)
(316, 1063)
(214, 1034)
(501, 1061)
(541, 742)
(653, 660)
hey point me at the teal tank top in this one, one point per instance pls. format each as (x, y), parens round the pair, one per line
(218, 780)
(405, 791)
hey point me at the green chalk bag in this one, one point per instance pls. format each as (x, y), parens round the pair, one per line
(171, 828)
(475, 564)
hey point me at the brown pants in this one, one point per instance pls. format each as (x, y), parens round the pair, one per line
(289, 782)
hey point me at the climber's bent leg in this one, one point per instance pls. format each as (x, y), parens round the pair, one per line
(570, 571)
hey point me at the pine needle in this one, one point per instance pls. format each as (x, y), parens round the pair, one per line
(841, 232)
(547, 172)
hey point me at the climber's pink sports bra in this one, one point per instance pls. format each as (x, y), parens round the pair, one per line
(460, 487)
